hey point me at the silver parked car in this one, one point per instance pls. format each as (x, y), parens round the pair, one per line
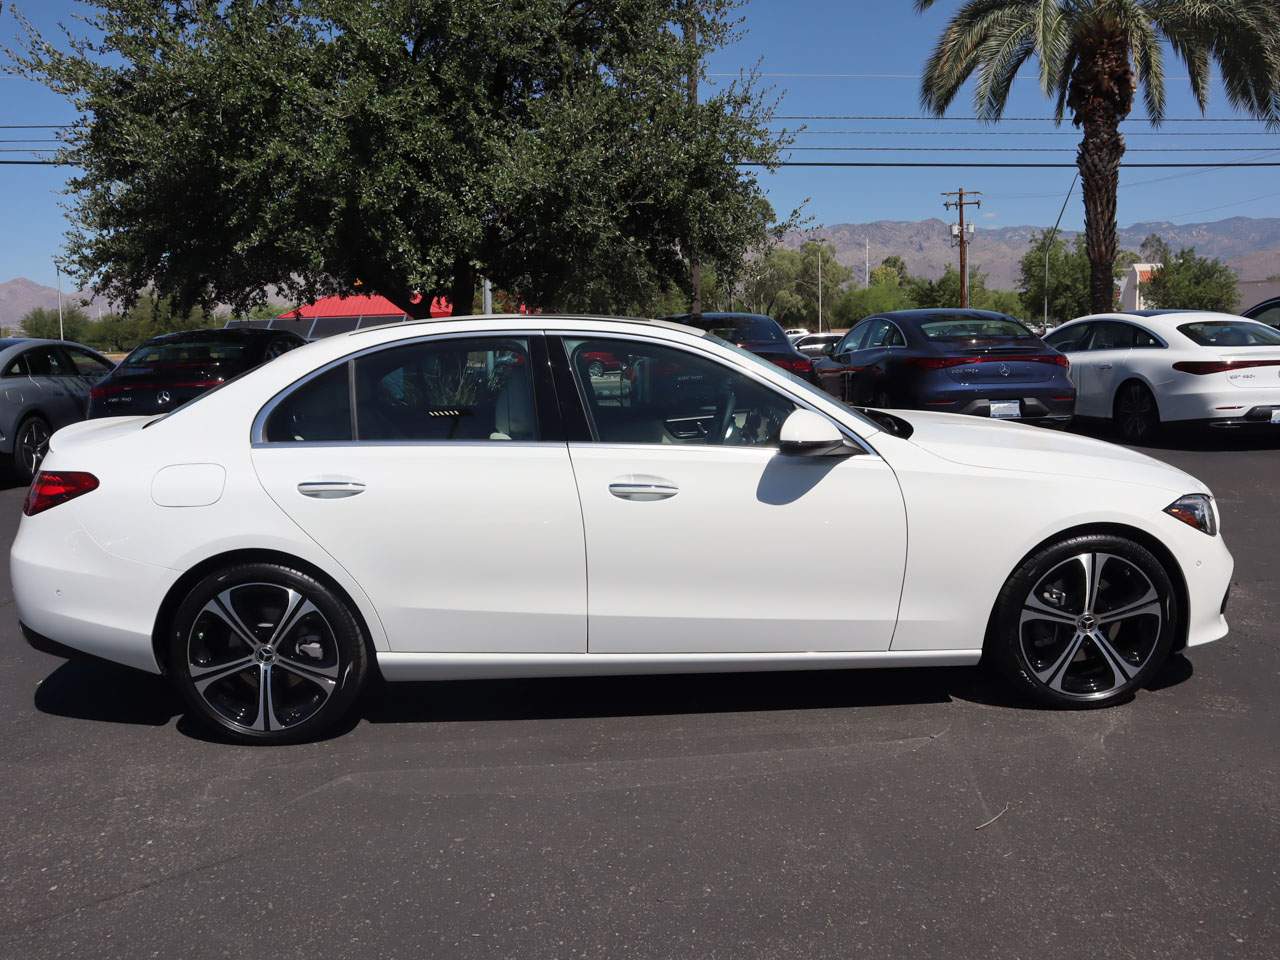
(44, 385)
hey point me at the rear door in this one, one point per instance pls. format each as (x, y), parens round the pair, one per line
(434, 471)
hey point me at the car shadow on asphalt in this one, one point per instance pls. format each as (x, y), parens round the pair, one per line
(105, 693)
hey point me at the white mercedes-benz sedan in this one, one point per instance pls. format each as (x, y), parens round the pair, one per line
(1161, 366)
(476, 498)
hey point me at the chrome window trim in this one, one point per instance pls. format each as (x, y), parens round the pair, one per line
(258, 429)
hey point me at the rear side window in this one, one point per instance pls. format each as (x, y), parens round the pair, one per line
(462, 389)
(87, 364)
(17, 366)
(319, 410)
(1230, 333)
(1270, 316)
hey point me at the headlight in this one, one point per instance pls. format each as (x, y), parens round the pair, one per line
(1195, 510)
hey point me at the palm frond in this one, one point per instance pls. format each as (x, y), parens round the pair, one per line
(957, 54)
(1002, 55)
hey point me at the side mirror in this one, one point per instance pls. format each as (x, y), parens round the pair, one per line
(807, 434)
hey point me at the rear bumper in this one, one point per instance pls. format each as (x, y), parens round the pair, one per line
(1037, 410)
(67, 591)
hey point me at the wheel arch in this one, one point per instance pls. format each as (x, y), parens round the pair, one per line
(1129, 377)
(1162, 553)
(176, 593)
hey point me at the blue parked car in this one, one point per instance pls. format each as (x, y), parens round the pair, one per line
(953, 361)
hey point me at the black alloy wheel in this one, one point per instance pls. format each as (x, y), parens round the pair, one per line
(1136, 415)
(30, 444)
(1085, 622)
(266, 654)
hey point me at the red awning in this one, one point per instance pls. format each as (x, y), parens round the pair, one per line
(359, 306)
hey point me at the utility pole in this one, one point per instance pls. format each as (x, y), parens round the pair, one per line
(819, 286)
(866, 264)
(691, 38)
(960, 203)
(58, 272)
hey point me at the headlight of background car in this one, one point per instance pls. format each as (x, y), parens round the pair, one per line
(1196, 510)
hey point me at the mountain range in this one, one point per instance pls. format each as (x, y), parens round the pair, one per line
(1250, 246)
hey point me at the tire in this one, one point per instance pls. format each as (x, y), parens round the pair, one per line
(1135, 414)
(595, 370)
(223, 644)
(30, 444)
(1061, 650)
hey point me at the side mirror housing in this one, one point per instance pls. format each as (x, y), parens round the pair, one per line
(808, 434)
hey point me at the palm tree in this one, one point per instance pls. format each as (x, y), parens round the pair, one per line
(1093, 56)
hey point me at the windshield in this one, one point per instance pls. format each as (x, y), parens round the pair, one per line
(975, 326)
(1231, 333)
(745, 328)
(798, 383)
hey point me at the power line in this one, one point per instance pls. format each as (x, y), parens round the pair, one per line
(1223, 206)
(35, 126)
(1075, 135)
(1012, 165)
(844, 149)
(864, 116)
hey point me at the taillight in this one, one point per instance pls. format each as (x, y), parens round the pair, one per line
(794, 364)
(1202, 367)
(52, 487)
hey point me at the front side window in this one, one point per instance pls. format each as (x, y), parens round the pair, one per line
(1111, 336)
(47, 362)
(458, 389)
(1270, 316)
(853, 339)
(652, 393)
(1231, 333)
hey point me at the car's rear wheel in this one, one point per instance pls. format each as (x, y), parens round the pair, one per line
(595, 370)
(1084, 622)
(30, 444)
(264, 653)
(1136, 415)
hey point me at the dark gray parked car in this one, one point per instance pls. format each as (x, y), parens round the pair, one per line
(44, 385)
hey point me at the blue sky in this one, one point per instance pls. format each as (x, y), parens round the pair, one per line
(825, 57)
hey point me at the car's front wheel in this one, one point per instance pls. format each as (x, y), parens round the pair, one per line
(264, 653)
(1084, 622)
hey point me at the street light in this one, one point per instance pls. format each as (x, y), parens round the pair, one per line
(1048, 245)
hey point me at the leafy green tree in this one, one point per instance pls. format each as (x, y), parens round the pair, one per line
(229, 149)
(859, 302)
(1068, 278)
(898, 265)
(43, 322)
(1190, 282)
(1094, 55)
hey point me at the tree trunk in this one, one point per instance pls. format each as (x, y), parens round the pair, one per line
(1101, 95)
(462, 293)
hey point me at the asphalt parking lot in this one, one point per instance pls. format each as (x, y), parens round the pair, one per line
(879, 814)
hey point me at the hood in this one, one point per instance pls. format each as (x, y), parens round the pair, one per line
(1000, 445)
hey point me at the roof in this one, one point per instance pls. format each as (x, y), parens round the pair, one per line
(359, 306)
(1160, 319)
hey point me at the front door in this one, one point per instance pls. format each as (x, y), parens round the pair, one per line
(702, 537)
(423, 470)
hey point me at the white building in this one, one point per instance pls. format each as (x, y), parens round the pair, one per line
(1131, 285)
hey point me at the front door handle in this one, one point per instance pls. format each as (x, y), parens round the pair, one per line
(1105, 366)
(330, 489)
(643, 489)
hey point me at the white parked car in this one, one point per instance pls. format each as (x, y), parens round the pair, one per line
(1144, 369)
(463, 498)
(795, 333)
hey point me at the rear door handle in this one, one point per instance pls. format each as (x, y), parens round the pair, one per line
(643, 489)
(330, 489)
